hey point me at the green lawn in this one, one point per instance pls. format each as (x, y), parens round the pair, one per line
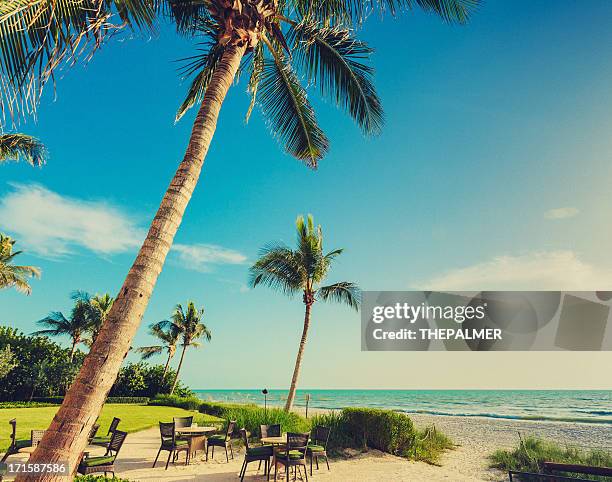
(133, 418)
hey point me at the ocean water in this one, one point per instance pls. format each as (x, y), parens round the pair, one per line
(589, 406)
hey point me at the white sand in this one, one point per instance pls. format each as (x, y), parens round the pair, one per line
(477, 438)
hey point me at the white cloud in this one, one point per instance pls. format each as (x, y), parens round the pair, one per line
(548, 270)
(561, 213)
(199, 257)
(53, 225)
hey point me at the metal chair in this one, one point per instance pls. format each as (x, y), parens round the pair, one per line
(103, 440)
(317, 447)
(105, 463)
(169, 442)
(222, 440)
(294, 455)
(15, 444)
(255, 454)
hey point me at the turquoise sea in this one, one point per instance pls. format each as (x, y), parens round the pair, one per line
(590, 406)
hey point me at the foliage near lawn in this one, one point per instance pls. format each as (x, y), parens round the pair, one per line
(360, 428)
(133, 418)
(385, 430)
(529, 455)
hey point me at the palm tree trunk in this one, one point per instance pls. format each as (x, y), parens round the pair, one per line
(178, 369)
(73, 349)
(66, 437)
(166, 367)
(298, 360)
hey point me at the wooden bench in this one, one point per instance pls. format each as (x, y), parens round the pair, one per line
(515, 475)
(552, 467)
(550, 470)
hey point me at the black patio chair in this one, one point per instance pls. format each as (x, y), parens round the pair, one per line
(106, 462)
(15, 444)
(169, 442)
(103, 440)
(222, 440)
(293, 455)
(270, 430)
(317, 447)
(180, 422)
(259, 454)
(93, 432)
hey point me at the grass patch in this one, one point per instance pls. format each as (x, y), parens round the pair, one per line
(133, 418)
(252, 416)
(531, 452)
(385, 430)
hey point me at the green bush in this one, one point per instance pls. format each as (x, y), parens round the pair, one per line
(144, 380)
(252, 416)
(25, 404)
(531, 452)
(98, 478)
(188, 403)
(385, 430)
(50, 400)
(132, 400)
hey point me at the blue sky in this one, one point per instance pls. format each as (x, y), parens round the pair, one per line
(492, 172)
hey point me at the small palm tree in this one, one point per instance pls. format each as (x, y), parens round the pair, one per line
(20, 147)
(190, 328)
(169, 335)
(302, 271)
(11, 275)
(76, 326)
(98, 308)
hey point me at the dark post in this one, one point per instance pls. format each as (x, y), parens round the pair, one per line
(307, 400)
(265, 394)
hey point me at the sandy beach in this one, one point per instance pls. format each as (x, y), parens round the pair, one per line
(476, 439)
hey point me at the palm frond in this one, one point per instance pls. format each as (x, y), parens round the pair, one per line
(188, 15)
(204, 64)
(291, 117)
(257, 65)
(333, 59)
(343, 292)
(17, 147)
(278, 267)
(147, 352)
(452, 11)
(37, 37)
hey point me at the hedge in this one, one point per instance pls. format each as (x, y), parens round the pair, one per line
(59, 400)
(187, 403)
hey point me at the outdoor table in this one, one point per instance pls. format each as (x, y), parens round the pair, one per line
(275, 442)
(26, 450)
(197, 437)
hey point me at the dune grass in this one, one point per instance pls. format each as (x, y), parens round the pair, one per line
(531, 452)
(133, 418)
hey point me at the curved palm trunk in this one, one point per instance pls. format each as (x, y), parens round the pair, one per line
(73, 349)
(298, 360)
(167, 366)
(178, 370)
(66, 437)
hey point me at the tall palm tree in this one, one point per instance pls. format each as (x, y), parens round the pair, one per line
(75, 327)
(10, 274)
(17, 147)
(302, 271)
(169, 335)
(188, 324)
(275, 40)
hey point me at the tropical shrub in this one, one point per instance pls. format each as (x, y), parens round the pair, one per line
(43, 367)
(252, 416)
(188, 403)
(531, 452)
(7, 361)
(25, 404)
(385, 430)
(144, 380)
(131, 400)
